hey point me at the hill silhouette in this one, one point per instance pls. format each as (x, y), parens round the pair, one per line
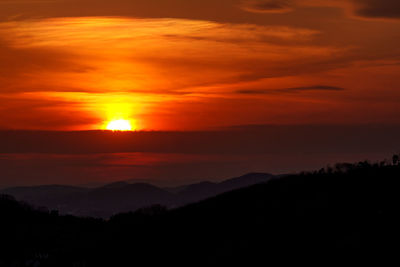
(117, 197)
(347, 209)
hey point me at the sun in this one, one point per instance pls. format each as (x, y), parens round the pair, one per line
(119, 125)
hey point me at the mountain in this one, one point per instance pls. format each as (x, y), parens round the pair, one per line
(117, 197)
(203, 190)
(42, 191)
(50, 196)
(111, 199)
(320, 217)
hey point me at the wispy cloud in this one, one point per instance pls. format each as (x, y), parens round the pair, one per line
(359, 8)
(268, 6)
(291, 89)
(141, 55)
(377, 8)
(174, 62)
(315, 88)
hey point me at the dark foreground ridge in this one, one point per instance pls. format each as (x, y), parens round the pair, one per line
(350, 208)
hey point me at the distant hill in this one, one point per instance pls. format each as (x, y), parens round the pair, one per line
(195, 192)
(114, 198)
(50, 196)
(318, 217)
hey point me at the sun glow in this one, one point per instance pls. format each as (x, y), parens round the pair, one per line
(119, 125)
(119, 112)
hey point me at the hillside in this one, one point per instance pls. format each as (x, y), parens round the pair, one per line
(349, 209)
(118, 197)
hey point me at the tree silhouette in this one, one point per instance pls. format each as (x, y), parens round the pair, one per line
(395, 159)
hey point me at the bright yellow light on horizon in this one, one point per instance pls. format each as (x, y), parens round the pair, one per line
(119, 113)
(119, 125)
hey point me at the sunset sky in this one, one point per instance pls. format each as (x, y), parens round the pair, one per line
(185, 65)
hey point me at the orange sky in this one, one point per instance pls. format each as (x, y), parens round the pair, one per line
(184, 65)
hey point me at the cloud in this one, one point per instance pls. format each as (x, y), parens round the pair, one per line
(106, 55)
(358, 8)
(268, 6)
(291, 89)
(377, 8)
(220, 11)
(177, 72)
(96, 32)
(76, 158)
(315, 88)
(157, 65)
(30, 111)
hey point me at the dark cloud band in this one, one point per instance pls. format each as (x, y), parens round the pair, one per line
(292, 89)
(378, 8)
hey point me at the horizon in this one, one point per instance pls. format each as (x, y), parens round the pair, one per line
(166, 184)
(216, 129)
(179, 91)
(96, 185)
(170, 158)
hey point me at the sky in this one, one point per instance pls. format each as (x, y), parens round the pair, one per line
(197, 65)
(190, 65)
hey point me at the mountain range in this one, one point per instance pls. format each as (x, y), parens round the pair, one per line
(333, 215)
(118, 197)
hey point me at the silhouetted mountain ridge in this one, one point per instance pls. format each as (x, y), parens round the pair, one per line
(203, 190)
(115, 185)
(350, 209)
(122, 196)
